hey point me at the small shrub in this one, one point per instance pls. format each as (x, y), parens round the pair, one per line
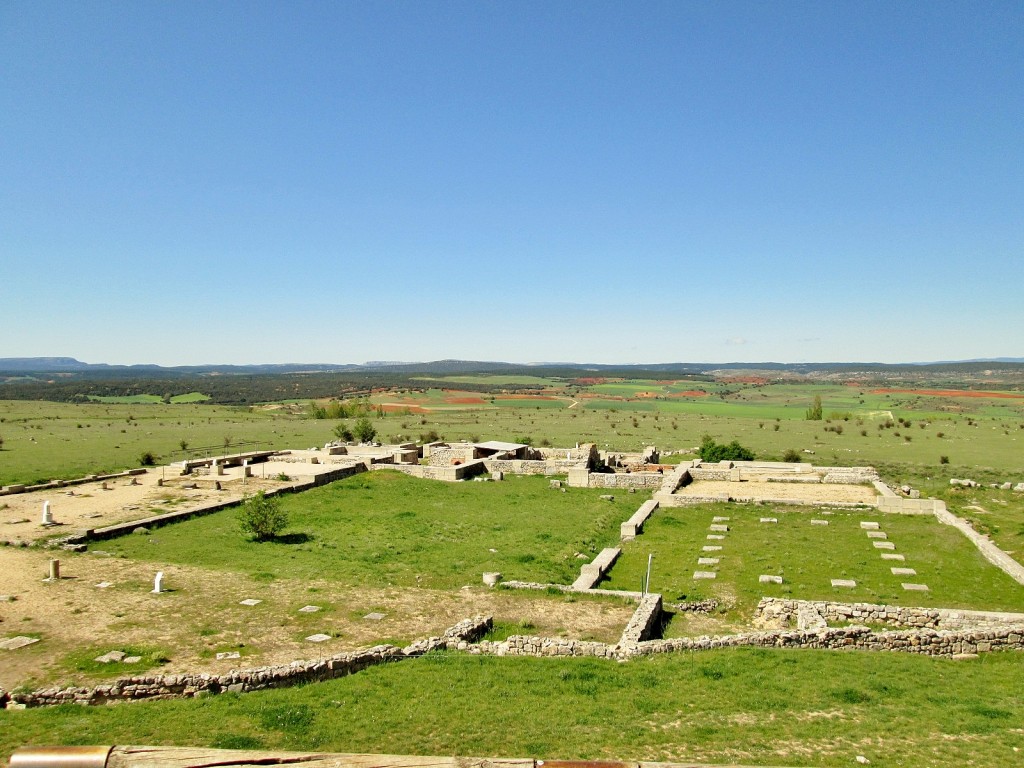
(147, 459)
(262, 518)
(791, 456)
(943, 459)
(364, 430)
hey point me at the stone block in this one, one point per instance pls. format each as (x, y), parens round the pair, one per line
(711, 548)
(719, 519)
(318, 638)
(707, 561)
(250, 602)
(892, 556)
(715, 537)
(878, 535)
(903, 572)
(769, 519)
(867, 525)
(769, 579)
(883, 545)
(719, 528)
(14, 643)
(915, 587)
(844, 583)
(704, 575)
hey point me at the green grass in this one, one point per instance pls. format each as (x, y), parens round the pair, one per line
(750, 706)
(808, 557)
(385, 528)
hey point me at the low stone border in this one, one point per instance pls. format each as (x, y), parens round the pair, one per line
(7, 490)
(782, 611)
(985, 545)
(141, 687)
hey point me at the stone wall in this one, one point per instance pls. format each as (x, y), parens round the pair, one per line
(782, 612)
(635, 525)
(449, 474)
(985, 545)
(930, 642)
(645, 622)
(21, 488)
(241, 680)
(530, 467)
(592, 572)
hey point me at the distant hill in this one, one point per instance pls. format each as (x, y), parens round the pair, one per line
(69, 365)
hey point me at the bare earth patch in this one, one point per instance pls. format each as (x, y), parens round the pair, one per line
(821, 493)
(202, 615)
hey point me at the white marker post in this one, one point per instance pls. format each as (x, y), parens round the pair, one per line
(647, 581)
(158, 583)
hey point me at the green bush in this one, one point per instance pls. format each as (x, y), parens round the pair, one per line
(147, 459)
(711, 451)
(261, 517)
(791, 456)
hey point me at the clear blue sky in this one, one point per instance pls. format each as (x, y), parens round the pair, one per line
(193, 182)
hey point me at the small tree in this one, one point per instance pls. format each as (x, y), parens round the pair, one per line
(147, 459)
(342, 432)
(183, 444)
(364, 430)
(261, 517)
(791, 456)
(814, 413)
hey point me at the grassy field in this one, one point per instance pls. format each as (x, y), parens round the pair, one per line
(384, 528)
(754, 706)
(808, 557)
(975, 434)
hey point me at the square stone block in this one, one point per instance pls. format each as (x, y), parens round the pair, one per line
(844, 583)
(915, 587)
(868, 525)
(704, 575)
(903, 572)
(250, 601)
(719, 528)
(892, 556)
(768, 579)
(877, 535)
(707, 561)
(883, 545)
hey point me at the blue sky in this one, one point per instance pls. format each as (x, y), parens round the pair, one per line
(187, 182)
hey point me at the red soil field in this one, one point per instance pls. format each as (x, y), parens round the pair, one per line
(947, 393)
(398, 407)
